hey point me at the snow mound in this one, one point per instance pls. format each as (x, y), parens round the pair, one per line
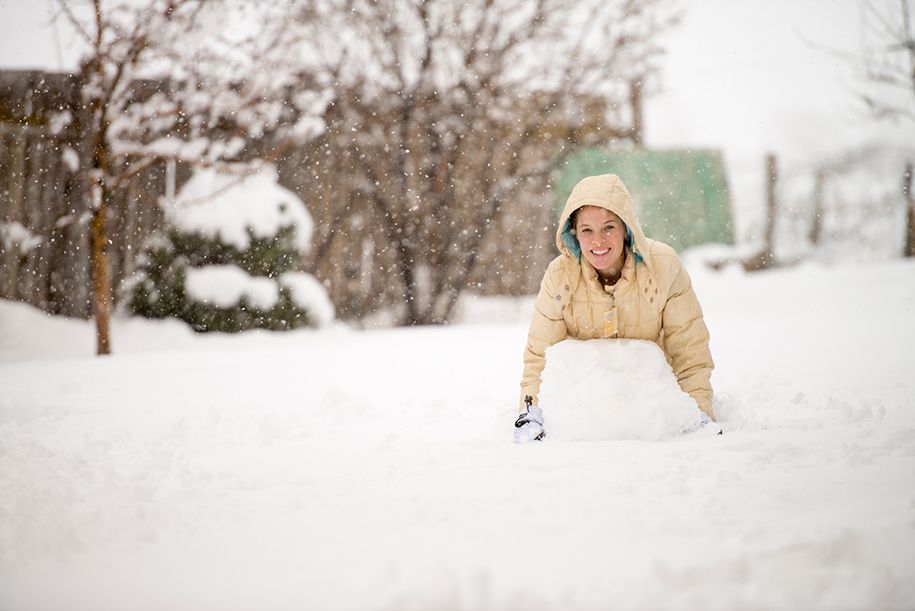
(613, 389)
(230, 207)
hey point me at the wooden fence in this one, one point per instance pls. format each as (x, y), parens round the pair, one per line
(44, 245)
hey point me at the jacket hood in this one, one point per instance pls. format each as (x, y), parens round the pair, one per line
(606, 191)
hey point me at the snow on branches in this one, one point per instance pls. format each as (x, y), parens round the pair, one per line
(190, 80)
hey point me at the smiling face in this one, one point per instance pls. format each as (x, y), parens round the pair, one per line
(602, 236)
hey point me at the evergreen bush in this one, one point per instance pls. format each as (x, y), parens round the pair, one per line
(194, 272)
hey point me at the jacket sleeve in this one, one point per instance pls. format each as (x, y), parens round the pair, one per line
(686, 338)
(547, 328)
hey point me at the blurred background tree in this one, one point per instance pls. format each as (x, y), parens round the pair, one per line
(423, 136)
(447, 118)
(169, 80)
(885, 68)
(887, 60)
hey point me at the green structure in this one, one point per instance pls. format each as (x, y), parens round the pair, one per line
(681, 196)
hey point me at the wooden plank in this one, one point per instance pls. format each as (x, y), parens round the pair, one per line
(23, 128)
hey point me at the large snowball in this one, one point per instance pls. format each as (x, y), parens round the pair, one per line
(607, 389)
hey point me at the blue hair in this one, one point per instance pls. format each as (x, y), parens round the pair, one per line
(569, 239)
(638, 255)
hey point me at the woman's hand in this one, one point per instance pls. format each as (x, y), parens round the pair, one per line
(529, 425)
(705, 423)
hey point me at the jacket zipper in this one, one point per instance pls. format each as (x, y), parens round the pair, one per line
(611, 318)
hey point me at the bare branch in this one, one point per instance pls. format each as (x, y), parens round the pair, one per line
(887, 74)
(76, 23)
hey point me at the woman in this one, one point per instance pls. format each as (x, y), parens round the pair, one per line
(610, 281)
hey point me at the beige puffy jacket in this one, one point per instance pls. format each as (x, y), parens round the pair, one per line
(654, 298)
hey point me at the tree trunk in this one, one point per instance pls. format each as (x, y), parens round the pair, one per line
(910, 206)
(766, 258)
(635, 101)
(101, 274)
(406, 260)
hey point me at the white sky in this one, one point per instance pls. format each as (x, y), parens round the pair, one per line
(738, 76)
(26, 36)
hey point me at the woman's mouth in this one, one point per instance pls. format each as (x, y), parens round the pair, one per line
(600, 253)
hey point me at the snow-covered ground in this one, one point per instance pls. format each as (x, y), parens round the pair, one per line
(342, 469)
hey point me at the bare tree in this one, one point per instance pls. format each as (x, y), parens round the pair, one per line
(446, 111)
(888, 67)
(172, 79)
(887, 61)
(885, 67)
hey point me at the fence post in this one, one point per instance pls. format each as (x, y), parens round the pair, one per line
(910, 208)
(15, 192)
(765, 258)
(771, 207)
(816, 227)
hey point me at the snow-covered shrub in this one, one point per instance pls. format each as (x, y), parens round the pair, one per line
(226, 260)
